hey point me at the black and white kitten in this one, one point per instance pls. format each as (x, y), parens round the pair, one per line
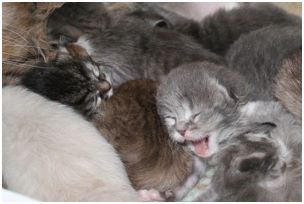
(261, 159)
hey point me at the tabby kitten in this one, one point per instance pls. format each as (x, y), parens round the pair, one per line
(261, 160)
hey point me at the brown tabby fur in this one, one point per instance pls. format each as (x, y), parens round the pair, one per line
(24, 38)
(288, 87)
(130, 121)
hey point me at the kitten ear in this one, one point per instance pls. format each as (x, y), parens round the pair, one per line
(253, 162)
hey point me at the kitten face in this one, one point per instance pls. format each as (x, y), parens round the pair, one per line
(194, 107)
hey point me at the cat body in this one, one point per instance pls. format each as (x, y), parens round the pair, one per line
(50, 153)
(133, 45)
(261, 160)
(216, 32)
(258, 55)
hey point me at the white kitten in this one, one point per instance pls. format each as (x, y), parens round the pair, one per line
(51, 153)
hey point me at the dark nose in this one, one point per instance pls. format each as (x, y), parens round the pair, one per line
(182, 132)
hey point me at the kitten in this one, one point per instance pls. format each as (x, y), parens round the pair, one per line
(261, 161)
(288, 84)
(216, 32)
(129, 43)
(50, 153)
(197, 101)
(258, 55)
(78, 81)
(24, 38)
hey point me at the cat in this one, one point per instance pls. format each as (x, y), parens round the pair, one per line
(216, 32)
(139, 136)
(133, 45)
(24, 38)
(257, 56)
(197, 100)
(261, 160)
(51, 153)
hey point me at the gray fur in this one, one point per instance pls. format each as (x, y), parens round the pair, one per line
(261, 159)
(258, 55)
(204, 88)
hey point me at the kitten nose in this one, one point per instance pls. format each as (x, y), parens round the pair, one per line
(104, 86)
(182, 132)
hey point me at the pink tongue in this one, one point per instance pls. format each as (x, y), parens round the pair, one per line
(201, 147)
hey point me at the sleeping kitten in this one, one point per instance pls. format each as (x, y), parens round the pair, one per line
(197, 101)
(50, 153)
(258, 55)
(24, 38)
(261, 161)
(134, 45)
(218, 31)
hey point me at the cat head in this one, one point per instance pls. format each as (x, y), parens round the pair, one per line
(75, 80)
(195, 105)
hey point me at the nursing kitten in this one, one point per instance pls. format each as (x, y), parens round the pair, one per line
(288, 84)
(216, 32)
(50, 153)
(130, 45)
(24, 38)
(197, 101)
(262, 160)
(78, 82)
(258, 55)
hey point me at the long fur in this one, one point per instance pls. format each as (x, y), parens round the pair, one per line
(51, 153)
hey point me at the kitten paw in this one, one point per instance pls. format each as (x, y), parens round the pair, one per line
(151, 195)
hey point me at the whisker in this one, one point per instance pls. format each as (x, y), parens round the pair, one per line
(23, 64)
(16, 34)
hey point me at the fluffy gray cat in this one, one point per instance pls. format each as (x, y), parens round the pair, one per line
(261, 160)
(197, 101)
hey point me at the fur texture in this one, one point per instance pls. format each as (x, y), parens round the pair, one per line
(288, 84)
(51, 153)
(258, 55)
(24, 38)
(261, 160)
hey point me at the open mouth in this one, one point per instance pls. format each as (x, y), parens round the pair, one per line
(201, 146)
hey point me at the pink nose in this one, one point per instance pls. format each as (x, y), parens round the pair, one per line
(182, 132)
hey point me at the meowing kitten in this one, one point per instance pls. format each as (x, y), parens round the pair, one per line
(197, 101)
(131, 46)
(288, 84)
(24, 38)
(218, 31)
(258, 55)
(261, 161)
(50, 153)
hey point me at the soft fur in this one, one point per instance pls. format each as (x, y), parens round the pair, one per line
(257, 56)
(261, 159)
(51, 153)
(24, 38)
(288, 84)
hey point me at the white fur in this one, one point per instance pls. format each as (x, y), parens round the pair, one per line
(50, 153)
(84, 42)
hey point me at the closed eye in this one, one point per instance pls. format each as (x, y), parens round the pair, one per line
(196, 116)
(170, 120)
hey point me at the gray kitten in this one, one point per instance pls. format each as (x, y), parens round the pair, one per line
(258, 55)
(261, 160)
(197, 101)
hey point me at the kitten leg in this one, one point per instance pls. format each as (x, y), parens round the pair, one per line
(198, 169)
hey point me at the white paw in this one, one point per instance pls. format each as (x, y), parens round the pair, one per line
(151, 195)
